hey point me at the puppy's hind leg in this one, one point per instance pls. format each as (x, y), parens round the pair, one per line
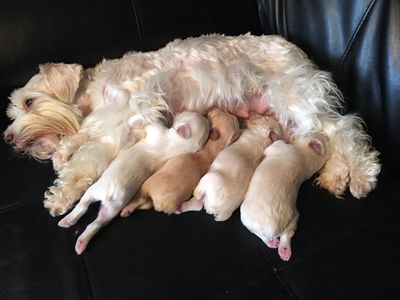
(195, 203)
(106, 214)
(284, 248)
(140, 202)
(79, 210)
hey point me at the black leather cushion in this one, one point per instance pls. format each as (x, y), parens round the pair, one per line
(343, 248)
(359, 42)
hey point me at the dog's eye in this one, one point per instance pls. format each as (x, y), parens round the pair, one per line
(28, 102)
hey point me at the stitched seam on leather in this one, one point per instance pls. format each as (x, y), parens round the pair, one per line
(16, 206)
(138, 21)
(355, 35)
(279, 275)
(280, 17)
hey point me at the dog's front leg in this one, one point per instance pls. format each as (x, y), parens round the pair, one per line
(82, 170)
(68, 145)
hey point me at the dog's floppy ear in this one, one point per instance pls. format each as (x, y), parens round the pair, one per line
(214, 134)
(184, 130)
(317, 146)
(62, 79)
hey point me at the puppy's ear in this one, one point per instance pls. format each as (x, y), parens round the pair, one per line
(62, 79)
(214, 134)
(317, 146)
(184, 130)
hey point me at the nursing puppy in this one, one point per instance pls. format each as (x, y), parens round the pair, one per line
(133, 166)
(174, 183)
(269, 207)
(222, 189)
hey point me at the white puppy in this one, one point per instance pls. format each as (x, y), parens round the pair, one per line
(269, 207)
(222, 189)
(133, 166)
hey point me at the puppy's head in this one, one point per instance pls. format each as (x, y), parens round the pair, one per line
(193, 127)
(266, 127)
(225, 126)
(43, 110)
(315, 148)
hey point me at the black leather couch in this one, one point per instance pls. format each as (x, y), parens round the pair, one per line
(343, 248)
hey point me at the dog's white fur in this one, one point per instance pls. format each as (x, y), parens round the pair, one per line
(175, 181)
(269, 207)
(133, 165)
(260, 73)
(222, 189)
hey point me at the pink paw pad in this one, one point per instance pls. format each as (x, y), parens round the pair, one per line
(273, 243)
(64, 223)
(285, 253)
(80, 246)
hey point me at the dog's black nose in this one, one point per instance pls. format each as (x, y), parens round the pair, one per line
(9, 138)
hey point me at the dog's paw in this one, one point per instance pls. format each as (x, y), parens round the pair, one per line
(334, 178)
(55, 203)
(361, 186)
(55, 208)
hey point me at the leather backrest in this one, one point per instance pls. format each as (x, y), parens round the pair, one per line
(358, 41)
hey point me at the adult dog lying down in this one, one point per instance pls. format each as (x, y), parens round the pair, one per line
(64, 110)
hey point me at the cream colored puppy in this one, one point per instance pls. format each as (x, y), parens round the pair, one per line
(174, 183)
(269, 208)
(222, 189)
(133, 166)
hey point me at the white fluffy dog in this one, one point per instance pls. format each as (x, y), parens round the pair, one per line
(133, 166)
(269, 207)
(222, 189)
(242, 73)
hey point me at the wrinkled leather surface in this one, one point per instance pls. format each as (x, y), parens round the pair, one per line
(343, 248)
(359, 42)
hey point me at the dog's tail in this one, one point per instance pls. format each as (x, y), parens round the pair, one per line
(354, 162)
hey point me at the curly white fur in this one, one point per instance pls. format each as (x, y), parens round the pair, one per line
(266, 74)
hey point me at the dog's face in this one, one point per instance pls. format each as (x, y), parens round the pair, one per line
(43, 111)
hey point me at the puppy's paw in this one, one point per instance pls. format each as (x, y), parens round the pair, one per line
(80, 246)
(285, 253)
(272, 243)
(65, 222)
(126, 211)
